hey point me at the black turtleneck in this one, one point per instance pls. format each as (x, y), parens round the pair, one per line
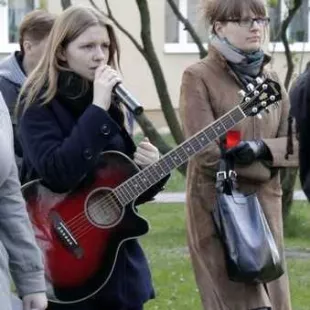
(76, 94)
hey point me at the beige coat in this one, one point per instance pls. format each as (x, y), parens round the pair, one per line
(209, 89)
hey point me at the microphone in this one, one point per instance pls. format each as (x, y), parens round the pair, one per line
(127, 99)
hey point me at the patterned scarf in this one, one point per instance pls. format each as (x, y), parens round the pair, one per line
(246, 65)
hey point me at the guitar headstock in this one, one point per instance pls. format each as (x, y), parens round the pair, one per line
(261, 95)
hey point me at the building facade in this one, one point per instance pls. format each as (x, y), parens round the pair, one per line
(174, 47)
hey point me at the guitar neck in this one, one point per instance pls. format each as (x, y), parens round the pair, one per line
(152, 174)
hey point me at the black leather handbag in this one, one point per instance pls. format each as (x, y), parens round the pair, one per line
(250, 250)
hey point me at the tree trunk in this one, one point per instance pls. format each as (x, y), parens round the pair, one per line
(288, 180)
(158, 75)
(65, 4)
(288, 175)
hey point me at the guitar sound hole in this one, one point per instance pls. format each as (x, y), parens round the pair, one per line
(103, 209)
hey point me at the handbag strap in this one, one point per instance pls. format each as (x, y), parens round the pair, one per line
(226, 176)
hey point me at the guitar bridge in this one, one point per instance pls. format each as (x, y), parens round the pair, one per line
(66, 236)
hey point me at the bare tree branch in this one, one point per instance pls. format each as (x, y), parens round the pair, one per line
(285, 24)
(158, 75)
(188, 26)
(147, 126)
(118, 25)
(288, 175)
(65, 4)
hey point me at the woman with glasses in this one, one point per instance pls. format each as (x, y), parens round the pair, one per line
(209, 90)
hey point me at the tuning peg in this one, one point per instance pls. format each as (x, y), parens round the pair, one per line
(264, 86)
(241, 93)
(254, 110)
(259, 116)
(272, 98)
(250, 87)
(263, 104)
(256, 92)
(259, 80)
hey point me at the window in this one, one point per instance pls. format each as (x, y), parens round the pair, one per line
(179, 41)
(177, 38)
(11, 14)
(298, 32)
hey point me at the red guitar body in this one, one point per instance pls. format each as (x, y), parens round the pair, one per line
(80, 232)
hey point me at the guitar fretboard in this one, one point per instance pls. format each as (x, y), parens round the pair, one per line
(142, 181)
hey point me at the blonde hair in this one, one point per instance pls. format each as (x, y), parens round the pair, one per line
(42, 82)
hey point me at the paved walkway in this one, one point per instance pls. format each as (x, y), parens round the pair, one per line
(166, 197)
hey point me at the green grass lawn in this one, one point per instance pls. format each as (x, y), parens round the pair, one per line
(297, 227)
(165, 246)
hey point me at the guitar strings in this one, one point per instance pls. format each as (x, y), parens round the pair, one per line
(80, 231)
(81, 219)
(107, 199)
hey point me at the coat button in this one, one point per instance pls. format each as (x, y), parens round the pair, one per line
(105, 129)
(88, 154)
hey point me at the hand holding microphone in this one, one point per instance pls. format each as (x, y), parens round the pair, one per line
(107, 80)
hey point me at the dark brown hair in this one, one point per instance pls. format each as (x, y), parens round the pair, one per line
(35, 26)
(221, 10)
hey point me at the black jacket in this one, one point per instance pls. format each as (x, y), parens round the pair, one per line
(61, 148)
(300, 109)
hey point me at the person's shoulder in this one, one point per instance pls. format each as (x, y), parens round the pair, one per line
(302, 81)
(11, 70)
(7, 87)
(201, 67)
(195, 67)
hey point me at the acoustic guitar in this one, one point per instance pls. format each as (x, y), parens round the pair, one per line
(81, 232)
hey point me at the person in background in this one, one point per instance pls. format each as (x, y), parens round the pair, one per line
(33, 32)
(68, 116)
(300, 111)
(209, 90)
(20, 256)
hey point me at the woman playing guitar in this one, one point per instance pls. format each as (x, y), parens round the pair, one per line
(68, 118)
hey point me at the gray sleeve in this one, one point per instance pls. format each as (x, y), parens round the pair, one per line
(25, 259)
(17, 236)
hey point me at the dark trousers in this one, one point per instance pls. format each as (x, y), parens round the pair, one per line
(91, 307)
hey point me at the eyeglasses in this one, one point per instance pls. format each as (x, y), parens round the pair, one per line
(249, 22)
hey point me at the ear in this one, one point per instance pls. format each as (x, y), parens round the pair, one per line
(219, 28)
(27, 46)
(61, 54)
